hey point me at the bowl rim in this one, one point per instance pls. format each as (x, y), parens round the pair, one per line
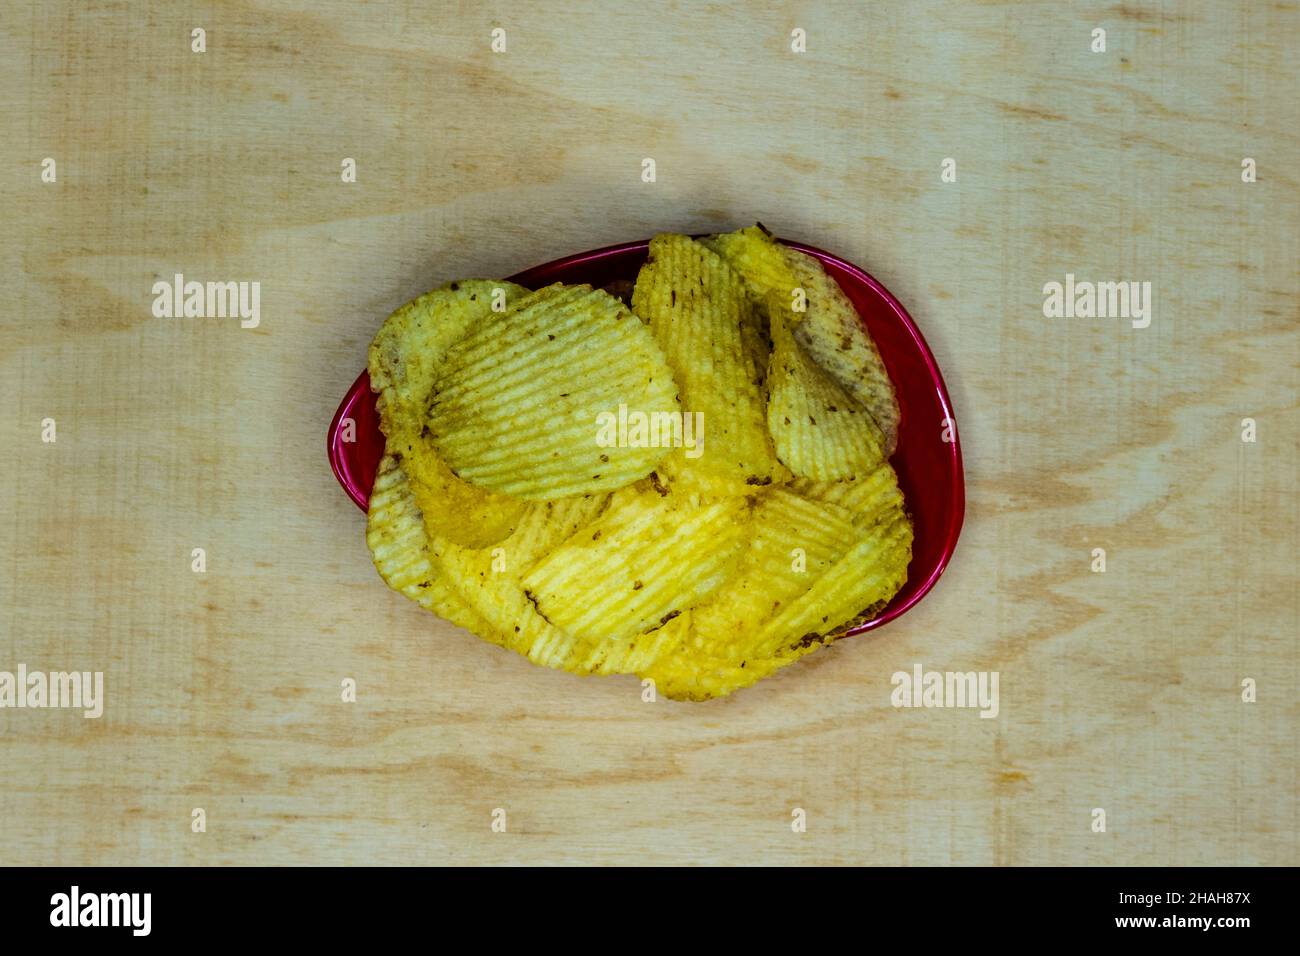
(957, 486)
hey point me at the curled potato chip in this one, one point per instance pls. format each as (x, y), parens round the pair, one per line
(761, 262)
(820, 315)
(696, 306)
(453, 508)
(833, 335)
(754, 336)
(656, 556)
(404, 358)
(523, 403)
(819, 431)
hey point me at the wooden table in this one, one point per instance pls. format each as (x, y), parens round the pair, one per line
(1119, 690)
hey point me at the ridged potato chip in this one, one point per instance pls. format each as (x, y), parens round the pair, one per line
(819, 430)
(453, 508)
(866, 499)
(400, 549)
(866, 576)
(657, 557)
(489, 580)
(737, 251)
(852, 586)
(637, 654)
(833, 335)
(785, 280)
(521, 404)
(697, 308)
(761, 263)
(404, 357)
(409, 348)
(681, 673)
(790, 541)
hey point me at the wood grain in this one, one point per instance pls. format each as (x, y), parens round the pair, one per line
(1118, 690)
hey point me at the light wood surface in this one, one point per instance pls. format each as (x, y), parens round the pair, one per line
(1119, 690)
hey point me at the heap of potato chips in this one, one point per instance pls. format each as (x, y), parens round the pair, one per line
(705, 568)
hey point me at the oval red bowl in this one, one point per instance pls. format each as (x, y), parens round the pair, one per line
(929, 467)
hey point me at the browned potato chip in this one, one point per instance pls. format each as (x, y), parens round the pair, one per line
(833, 335)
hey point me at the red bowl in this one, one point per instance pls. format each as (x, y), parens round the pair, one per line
(929, 467)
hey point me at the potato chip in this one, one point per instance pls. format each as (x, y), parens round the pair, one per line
(696, 307)
(866, 576)
(820, 315)
(834, 336)
(655, 556)
(524, 402)
(684, 674)
(754, 337)
(819, 431)
(761, 262)
(400, 550)
(790, 542)
(635, 654)
(866, 498)
(404, 356)
(453, 508)
(411, 344)
(489, 580)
